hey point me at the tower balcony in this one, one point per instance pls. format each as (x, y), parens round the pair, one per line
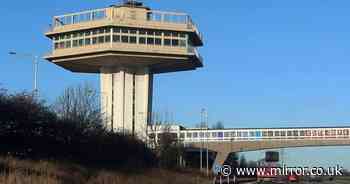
(124, 16)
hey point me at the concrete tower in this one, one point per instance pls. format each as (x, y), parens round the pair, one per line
(126, 44)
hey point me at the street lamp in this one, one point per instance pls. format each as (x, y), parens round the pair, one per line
(35, 59)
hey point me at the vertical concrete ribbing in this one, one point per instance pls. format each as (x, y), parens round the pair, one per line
(129, 93)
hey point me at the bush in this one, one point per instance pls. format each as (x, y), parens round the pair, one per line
(30, 129)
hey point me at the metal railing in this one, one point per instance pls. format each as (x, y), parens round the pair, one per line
(76, 18)
(263, 134)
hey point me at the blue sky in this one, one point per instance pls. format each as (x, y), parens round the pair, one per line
(267, 63)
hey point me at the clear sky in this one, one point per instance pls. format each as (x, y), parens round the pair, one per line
(267, 63)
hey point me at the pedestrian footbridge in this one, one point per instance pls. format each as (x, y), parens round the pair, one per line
(225, 141)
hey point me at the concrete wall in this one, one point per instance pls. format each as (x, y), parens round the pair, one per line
(224, 148)
(126, 96)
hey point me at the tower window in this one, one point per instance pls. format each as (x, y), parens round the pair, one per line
(116, 38)
(158, 41)
(81, 42)
(158, 33)
(125, 39)
(182, 43)
(107, 38)
(116, 30)
(56, 45)
(142, 40)
(101, 39)
(133, 39)
(167, 42)
(94, 40)
(125, 30)
(68, 44)
(133, 31)
(175, 43)
(142, 32)
(87, 41)
(75, 43)
(150, 41)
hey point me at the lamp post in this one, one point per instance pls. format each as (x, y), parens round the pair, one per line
(35, 59)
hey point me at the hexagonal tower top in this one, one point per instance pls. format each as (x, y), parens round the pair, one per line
(126, 35)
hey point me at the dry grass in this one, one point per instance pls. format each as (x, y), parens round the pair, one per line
(14, 171)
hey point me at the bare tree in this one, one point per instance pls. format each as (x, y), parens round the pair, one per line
(79, 103)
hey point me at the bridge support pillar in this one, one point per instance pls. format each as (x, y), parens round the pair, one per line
(221, 157)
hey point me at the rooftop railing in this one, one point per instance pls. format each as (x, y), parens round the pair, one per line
(76, 18)
(101, 14)
(174, 18)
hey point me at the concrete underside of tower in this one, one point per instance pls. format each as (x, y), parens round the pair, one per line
(126, 99)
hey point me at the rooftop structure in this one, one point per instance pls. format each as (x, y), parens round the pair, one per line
(127, 44)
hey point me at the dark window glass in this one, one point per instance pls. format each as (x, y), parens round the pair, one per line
(175, 43)
(56, 38)
(81, 34)
(75, 43)
(75, 35)
(133, 31)
(158, 33)
(283, 133)
(265, 134)
(150, 33)
(81, 42)
(95, 32)
(142, 32)
(150, 41)
(68, 44)
(182, 135)
(142, 40)
(295, 133)
(61, 36)
(133, 39)
(167, 42)
(57, 45)
(167, 33)
(87, 33)
(183, 35)
(101, 39)
(289, 133)
(68, 36)
(124, 30)
(175, 34)
(158, 41)
(125, 39)
(94, 40)
(87, 41)
(101, 31)
(182, 43)
(116, 38)
(107, 38)
(107, 30)
(62, 45)
(116, 30)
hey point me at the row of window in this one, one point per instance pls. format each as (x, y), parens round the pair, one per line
(117, 39)
(266, 134)
(122, 31)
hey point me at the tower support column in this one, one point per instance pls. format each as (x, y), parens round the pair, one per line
(126, 99)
